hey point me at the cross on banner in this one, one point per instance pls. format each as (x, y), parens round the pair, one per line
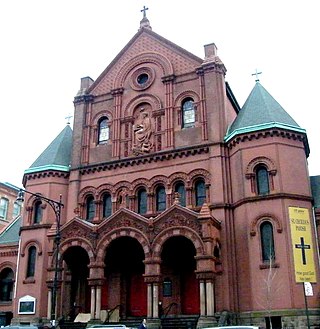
(144, 11)
(303, 247)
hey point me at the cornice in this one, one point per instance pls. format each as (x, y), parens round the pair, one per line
(129, 162)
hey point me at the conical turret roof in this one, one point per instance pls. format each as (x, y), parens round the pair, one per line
(261, 111)
(56, 156)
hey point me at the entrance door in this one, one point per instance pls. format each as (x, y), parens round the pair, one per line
(178, 270)
(137, 305)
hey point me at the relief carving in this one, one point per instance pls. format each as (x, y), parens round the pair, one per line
(142, 132)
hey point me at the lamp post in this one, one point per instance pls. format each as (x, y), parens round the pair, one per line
(56, 206)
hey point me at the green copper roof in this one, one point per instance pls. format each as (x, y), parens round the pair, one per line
(261, 111)
(56, 156)
(11, 232)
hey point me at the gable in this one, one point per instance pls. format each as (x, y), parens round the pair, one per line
(146, 46)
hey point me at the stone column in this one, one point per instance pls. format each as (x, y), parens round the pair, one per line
(202, 298)
(98, 302)
(210, 298)
(149, 301)
(155, 313)
(93, 302)
(49, 304)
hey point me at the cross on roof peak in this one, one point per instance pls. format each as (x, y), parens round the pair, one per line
(144, 11)
(256, 74)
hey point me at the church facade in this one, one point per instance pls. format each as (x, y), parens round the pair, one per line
(176, 202)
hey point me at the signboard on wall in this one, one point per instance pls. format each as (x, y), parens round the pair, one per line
(27, 305)
(302, 246)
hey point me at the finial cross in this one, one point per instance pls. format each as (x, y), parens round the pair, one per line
(144, 11)
(68, 117)
(256, 74)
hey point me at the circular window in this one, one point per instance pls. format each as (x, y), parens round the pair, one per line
(142, 78)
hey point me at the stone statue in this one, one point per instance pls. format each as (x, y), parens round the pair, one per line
(142, 130)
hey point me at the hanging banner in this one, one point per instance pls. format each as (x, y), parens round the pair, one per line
(301, 236)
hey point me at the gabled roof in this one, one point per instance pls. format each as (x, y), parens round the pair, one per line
(139, 38)
(261, 111)
(315, 190)
(56, 156)
(11, 232)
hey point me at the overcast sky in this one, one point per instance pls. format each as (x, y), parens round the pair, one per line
(48, 46)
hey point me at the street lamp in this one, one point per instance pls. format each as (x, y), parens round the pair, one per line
(56, 206)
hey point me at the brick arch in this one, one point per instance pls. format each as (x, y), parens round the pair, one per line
(179, 176)
(136, 184)
(156, 180)
(99, 115)
(119, 233)
(271, 167)
(120, 185)
(200, 173)
(29, 244)
(186, 232)
(85, 192)
(186, 94)
(9, 265)
(152, 100)
(265, 217)
(143, 58)
(78, 242)
(102, 189)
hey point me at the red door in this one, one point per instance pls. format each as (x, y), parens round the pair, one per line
(137, 303)
(190, 303)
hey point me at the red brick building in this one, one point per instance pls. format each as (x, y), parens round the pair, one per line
(177, 203)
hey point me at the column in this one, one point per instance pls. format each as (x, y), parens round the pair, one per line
(149, 302)
(202, 298)
(93, 302)
(210, 298)
(49, 304)
(155, 301)
(98, 302)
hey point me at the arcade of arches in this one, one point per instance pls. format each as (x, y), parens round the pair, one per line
(140, 268)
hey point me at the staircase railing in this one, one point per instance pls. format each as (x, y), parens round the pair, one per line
(109, 313)
(167, 309)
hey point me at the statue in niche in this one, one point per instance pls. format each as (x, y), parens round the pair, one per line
(142, 130)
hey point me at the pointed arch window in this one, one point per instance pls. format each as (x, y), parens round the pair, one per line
(262, 178)
(142, 201)
(188, 113)
(90, 208)
(267, 242)
(37, 213)
(103, 130)
(161, 198)
(180, 188)
(200, 192)
(31, 266)
(6, 285)
(107, 205)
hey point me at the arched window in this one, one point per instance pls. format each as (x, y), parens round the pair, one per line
(6, 285)
(37, 213)
(90, 208)
(104, 131)
(16, 210)
(188, 113)
(262, 178)
(180, 188)
(107, 205)
(267, 243)
(4, 208)
(161, 198)
(32, 253)
(200, 192)
(142, 201)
